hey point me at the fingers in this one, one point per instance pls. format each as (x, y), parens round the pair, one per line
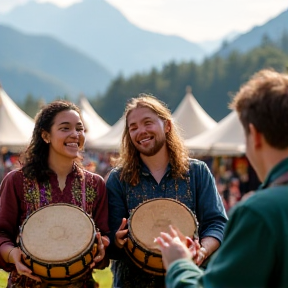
(160, 242)
(166, 237)
(175, 232)
(105, 241)
(189, 242)
(24, 270)
(172, 248)
(200, 256)
(123, 224)
(120, 238)
(101, 250)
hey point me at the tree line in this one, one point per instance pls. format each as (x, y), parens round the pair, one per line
(213, 82)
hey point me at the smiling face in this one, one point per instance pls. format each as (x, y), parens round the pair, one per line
(66, 137)
(147, 131)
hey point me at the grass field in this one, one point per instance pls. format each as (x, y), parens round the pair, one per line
(103, 277)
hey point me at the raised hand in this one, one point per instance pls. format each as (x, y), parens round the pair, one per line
(174, 246)
(121, 234)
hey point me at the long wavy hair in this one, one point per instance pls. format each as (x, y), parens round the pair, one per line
(35, 157)
(129, 159)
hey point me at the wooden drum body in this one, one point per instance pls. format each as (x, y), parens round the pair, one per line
(145, 224)
(58, 241)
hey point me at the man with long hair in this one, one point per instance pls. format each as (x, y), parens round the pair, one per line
(154, 163)
(254, 252)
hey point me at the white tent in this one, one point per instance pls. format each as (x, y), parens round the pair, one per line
(16, 127)
(191, 118)
(227, 138)
(96, 127)
(110, 141)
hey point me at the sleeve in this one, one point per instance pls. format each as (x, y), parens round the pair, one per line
(183, 273)
(238, 262)
(210, 210)
(101, 213)
(117, 209)
(9, 213)
(242, 262)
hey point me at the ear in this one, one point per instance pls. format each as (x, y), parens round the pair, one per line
(256, 136)
(45, 136)
(167, 126)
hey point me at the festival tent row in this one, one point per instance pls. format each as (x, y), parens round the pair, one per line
(16, 127)
(94, 124)
(226, 139)
(202, 134)
(111, 141)
(189, 116)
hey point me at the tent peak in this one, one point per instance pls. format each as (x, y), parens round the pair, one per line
(188, 89)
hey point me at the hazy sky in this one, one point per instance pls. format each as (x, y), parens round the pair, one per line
(194, 20)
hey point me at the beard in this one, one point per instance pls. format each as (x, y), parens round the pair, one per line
(153, 150)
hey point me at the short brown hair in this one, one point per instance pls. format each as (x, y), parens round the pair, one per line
(263, 102)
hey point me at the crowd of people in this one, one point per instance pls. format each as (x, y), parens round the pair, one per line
(153, 163)
(233, 181)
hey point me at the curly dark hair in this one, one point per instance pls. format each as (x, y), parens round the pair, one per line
(35, 157)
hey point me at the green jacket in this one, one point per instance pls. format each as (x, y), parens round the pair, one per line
(254, 252)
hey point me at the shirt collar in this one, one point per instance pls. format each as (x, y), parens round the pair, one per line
(275, 173)
(145, 170)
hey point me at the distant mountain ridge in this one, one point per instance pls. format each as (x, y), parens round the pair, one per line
(214, 45)
(81, 48)
(47, 68)
(99, 30)
(273, 29)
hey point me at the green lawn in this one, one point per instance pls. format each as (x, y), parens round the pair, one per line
(103, 277)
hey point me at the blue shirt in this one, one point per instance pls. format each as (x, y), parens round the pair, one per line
(197, 191)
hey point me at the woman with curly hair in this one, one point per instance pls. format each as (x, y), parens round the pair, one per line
(51, 173)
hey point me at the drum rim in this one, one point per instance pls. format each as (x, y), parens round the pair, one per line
(146, 251)
(131, 235)
(57, 263)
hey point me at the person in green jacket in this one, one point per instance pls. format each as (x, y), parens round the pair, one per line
(254, 252)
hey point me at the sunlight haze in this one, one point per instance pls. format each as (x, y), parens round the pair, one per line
(196, 21)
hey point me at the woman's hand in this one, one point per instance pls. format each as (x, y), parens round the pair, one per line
(15, 257)
(103, 242)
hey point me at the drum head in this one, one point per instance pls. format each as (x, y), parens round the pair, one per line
(57, 233)
(154, 216)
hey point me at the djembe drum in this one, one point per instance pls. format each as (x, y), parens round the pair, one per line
(58, 242)
(146, 222)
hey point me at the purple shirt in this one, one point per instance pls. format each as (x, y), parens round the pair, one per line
(21, 196)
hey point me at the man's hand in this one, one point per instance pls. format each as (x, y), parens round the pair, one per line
(174, 246)
(121, 234)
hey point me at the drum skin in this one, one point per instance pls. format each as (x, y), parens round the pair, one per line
(146, 222)
(58, 243)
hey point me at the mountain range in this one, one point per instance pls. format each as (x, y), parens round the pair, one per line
(100, 31)
(46, 68)
(49, 51)
(273, 30)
